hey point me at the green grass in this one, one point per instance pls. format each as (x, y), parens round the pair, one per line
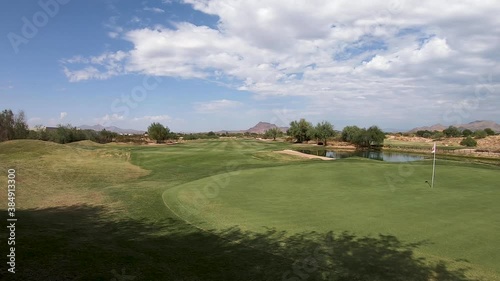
(234, 210)
(456, 217)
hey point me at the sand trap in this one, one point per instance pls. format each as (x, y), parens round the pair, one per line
(305, 155)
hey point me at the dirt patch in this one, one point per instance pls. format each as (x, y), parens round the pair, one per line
(340, 145)
(304, 155)
(490, 142)
(409, 139)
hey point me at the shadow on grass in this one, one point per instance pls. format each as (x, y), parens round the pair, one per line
(81, 243)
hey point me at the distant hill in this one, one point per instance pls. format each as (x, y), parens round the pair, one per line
(476, 125)
(111, 129)
(481, 125)
(392, 130)
(436, 127)
(262, 127)
(259, 128)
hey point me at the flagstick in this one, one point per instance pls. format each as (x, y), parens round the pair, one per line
(433, 167)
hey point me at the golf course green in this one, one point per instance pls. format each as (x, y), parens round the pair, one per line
(233, 209)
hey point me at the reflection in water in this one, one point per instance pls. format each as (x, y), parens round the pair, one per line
(376, 155)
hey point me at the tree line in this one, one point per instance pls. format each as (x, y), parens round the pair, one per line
(14, 126)
(303, 131)
(469, 136)
(453, 132)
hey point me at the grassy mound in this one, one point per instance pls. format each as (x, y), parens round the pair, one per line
(85, 143)
(50, 174)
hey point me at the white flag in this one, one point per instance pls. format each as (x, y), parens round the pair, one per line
(434, 148)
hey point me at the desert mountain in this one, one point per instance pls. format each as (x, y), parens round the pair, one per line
(111, 129)
(476, 125)
(436, 127)
(262, 127)
(481, 125)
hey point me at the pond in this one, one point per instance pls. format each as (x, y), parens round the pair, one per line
(376, 155)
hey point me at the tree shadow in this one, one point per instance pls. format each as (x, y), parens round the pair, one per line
(85, 243)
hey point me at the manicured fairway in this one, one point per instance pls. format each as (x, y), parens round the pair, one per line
(235, 210)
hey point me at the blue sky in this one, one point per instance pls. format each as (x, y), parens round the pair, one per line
(198, 65)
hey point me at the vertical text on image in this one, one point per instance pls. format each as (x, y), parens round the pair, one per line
(11, 220)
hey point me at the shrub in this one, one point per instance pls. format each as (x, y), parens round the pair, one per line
(489, 131)
(469, 142)
(480, 134)
(467, 133)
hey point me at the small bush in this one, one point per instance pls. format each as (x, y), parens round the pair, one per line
(469, 142)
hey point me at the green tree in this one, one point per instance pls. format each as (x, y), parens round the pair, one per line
(427, 135)
(489, 131)
(172, 136)
(467, 133)
(21, 130)
(13, 126)
(349, 133)
(300, 130)
(452, 131)
(424, 133)
(39, 133)
(63, 134)
(323, 131)
(361, 139)
(375, 135)
(158, 132)
(469, 142)
(372, 136)
(437, 135)
(480, 134)
(6, 125)
(273, 133)
(105, 136)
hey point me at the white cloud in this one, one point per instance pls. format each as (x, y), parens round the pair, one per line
(155, 118)
(99, 67)
(331, 51)
(63, 115)
(111, 24)
(216, 106)
(154, 10)
(436, 48)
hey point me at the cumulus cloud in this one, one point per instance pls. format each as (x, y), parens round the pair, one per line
(63, 115)
(104, 66)
(336, 51)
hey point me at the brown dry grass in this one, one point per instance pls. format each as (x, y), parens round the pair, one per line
(50, 175)
(490, 142)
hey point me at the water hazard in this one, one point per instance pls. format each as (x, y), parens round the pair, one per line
(375, 155)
